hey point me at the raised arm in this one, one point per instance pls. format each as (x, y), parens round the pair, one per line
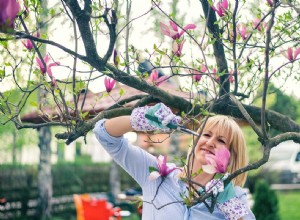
(116, 127)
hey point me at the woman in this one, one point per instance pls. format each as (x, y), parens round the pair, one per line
(164, 194)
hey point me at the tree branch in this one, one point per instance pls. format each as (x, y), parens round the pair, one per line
(219, 53)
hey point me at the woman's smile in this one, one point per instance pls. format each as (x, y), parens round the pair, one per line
(207, 151)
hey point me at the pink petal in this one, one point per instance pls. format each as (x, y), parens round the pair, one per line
(255, 23)
(175, 47)
(270, 2)
(47, 58)
(219, 10)
(290, 54)
(165, 29)
(225, 4)
(112, 84)
(161, 80)
(181, 47)
(49, 71)
(106, 83)
(211, 159)
(12, 10)
(154, 175)
(38, 34)
(231, 79)
(54, 64)
(161, 162)
(187, 27)
(296, 53)
(174, 26)
(27, 44)
(208, 168)
(203, 68)
(197, 76)
(40, 64)
(154, 75)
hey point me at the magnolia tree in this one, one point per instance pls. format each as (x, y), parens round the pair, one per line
(231, 49)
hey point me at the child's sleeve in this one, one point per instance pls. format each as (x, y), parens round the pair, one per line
(134, 160)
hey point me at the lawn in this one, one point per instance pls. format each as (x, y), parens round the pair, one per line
(289, 204)
(132, 217)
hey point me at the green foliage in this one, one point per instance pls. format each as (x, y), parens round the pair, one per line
(254, 147)
(280, 102)
(289, 204)
(265, 203)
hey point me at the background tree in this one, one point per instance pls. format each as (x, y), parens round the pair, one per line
(266, 202)
(232, 50)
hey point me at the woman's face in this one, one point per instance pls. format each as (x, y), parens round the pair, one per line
(209, 141)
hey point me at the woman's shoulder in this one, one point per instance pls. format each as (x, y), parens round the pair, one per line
(239, 191)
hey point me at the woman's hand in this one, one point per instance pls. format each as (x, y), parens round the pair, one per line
(161, 117)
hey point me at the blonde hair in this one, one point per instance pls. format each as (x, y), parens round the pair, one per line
(237, 145)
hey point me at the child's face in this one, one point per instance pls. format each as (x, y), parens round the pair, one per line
(209, 141)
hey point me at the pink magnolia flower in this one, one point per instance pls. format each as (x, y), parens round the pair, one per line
(261, 25)
(47, 68)
(221, 8)
(289, 53)
(109, 84)
(116, 58)
(156, 80)
(270, 3)
(172, 30)
(214, 72)
(162, 170)
(231, 76)
(8, 13)
(242, 30)
(197, 75)
(27, 43)
(217, 163)
(177, 48)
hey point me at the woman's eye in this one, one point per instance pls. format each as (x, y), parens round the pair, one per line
(222, 141)
(206, 135)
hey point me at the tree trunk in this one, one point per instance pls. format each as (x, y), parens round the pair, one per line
(14, 147)
(114, 179)
(44, 174)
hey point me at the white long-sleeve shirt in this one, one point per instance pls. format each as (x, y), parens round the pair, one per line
(164, 201)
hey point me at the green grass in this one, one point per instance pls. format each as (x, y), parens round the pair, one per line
(289, 205)
(132, 217)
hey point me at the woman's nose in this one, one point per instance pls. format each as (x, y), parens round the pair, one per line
(210, 142)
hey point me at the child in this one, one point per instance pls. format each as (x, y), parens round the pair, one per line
(163, 189)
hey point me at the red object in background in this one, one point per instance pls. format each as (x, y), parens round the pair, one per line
(140, 210)
(2, 200)
(95, 209)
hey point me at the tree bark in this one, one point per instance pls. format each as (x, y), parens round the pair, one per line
(44, 174)
(114, 179)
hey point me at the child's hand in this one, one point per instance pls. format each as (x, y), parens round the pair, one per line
(162, 114)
